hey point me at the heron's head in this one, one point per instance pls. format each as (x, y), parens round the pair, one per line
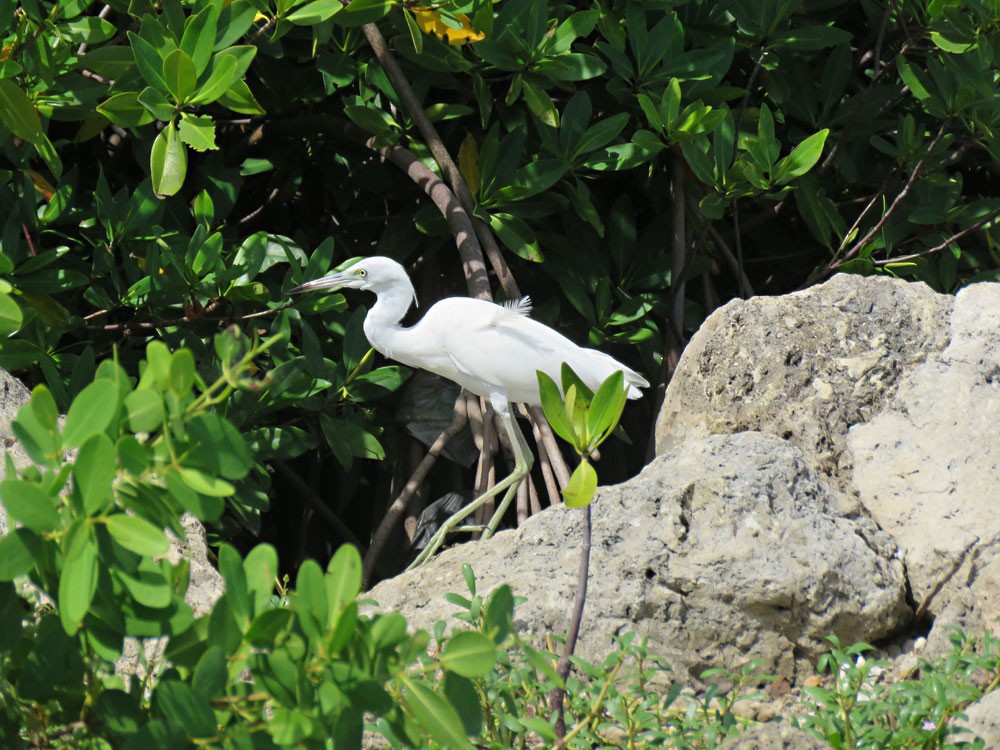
(376, 274)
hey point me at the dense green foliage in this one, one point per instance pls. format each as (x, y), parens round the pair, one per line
(171, 168)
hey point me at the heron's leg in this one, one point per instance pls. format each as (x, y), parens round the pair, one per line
(523, 461)
(522, 465)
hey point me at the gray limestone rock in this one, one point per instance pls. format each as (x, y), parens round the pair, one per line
(804, 366)
(927, 468)
(982, 719)
(726, 549)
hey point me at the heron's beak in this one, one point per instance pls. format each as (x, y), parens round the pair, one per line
(333, 281)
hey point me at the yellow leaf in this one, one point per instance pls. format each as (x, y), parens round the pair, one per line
(468, 163)
(42, 185)
(429, 21)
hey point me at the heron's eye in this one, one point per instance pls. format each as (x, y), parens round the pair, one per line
(362, 272)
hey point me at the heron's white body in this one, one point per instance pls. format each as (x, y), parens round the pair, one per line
(492, 350)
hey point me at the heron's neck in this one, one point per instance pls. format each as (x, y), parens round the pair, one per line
(382, 322)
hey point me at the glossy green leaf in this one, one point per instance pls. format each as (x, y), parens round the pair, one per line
(181, 372)
(260, 567)
(582, 485)
(221, 76)
(607, 406)
(803, 157)
(91, 412)
(461, 693)
(315, 12)
(360, 12)
(10, 316)
(552, 406)
(210, 675)
(469, 653)
(125, 110)
(148, 585)
(203, 507)
(145, 410)
(94, 471)
(18, 114)
(198, 38)
(77, 585)
(181, 705)
(168, 162)
(435, 714)
(201, 482)
(148, 60)
(29, 504)
(16, 555)
(137, 534)
(343, 578)
(517, 236)
(239, 98)
(179, 75)
(156, 103)
(220, 446)
(197, 131)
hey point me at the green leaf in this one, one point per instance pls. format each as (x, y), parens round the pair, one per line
(220, 445)
(554, 409)
(148, 60)
(137, 534)
(181, 372)
(147, 585)
(145, 410)
(239, 99)
(125, 110)
(209, 678)
(461, 693)
(220, 78)
(582, 484)
(94, 471)
(182, 706)
(205, 484)
(469, 653)
(517, 236)
(29, 504)
(203, 507)
(802, 159)
(540, 103)
(91, 412)
(809, 38)
(315, 12)
(156, 103)
(343, 579)
(360, 12)
(198, 39)
(260, 567)
(11, 317)
(198, 132)
(606, 408)
(167, 162)
(78, 582)
(88, 30)
(180, 75)
(18, 114)
(435, 714)
(16, 555)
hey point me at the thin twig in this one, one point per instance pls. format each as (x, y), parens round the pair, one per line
(939, 247)
(911, 180)
(559, 691)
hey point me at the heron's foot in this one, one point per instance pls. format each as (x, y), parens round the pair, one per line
(508, 486)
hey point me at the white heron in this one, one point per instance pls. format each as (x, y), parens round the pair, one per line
(491, 350)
